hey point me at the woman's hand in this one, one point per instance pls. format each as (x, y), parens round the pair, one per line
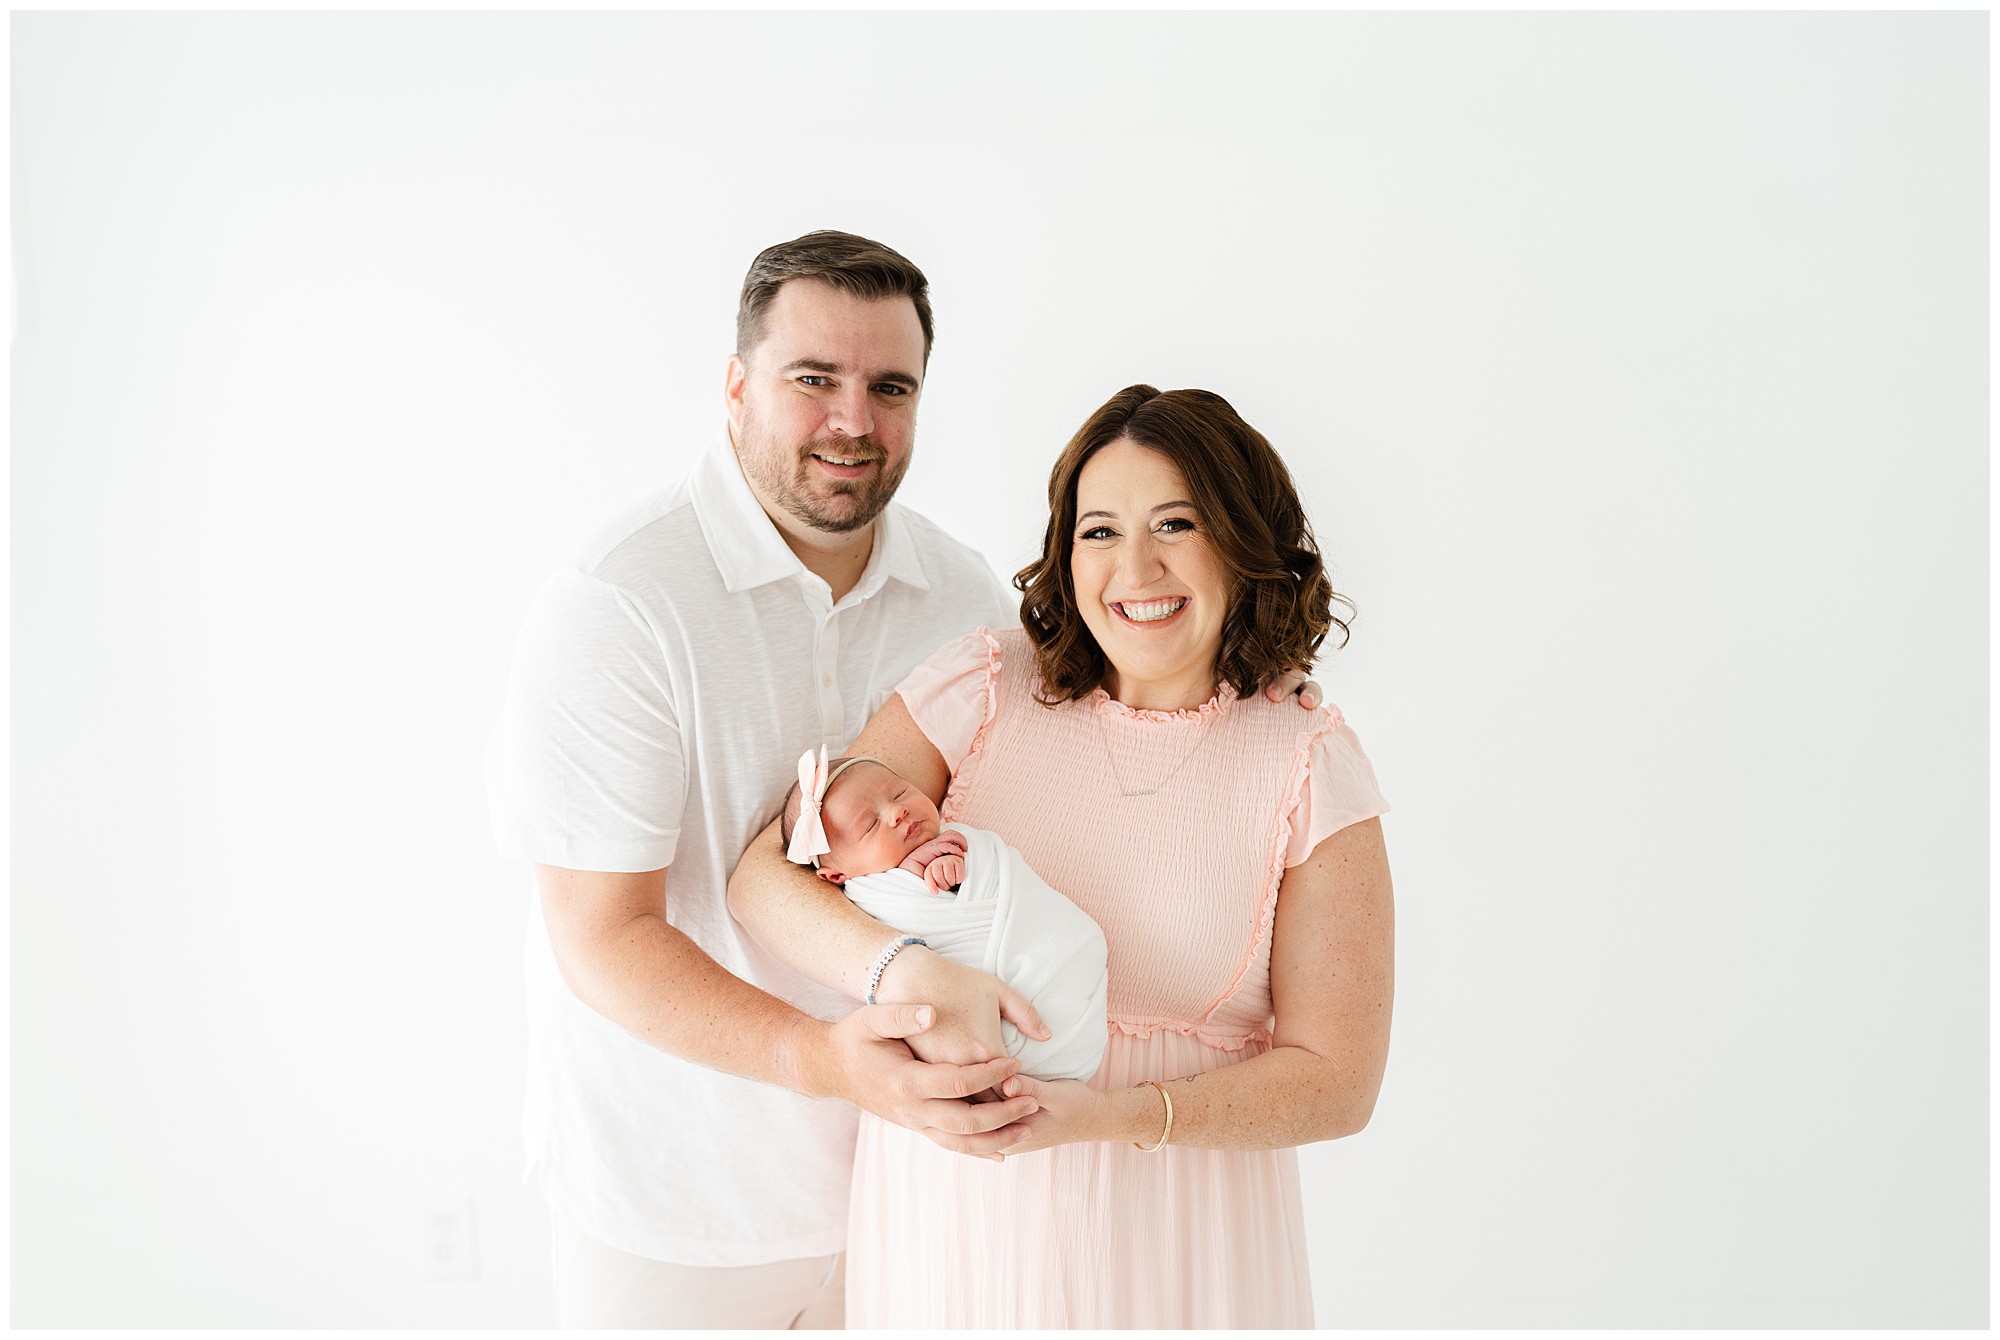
(1072, 1111)
(969, 1003)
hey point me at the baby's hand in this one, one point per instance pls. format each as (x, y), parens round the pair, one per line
(944, 844)
(944, 872)
(925, 861)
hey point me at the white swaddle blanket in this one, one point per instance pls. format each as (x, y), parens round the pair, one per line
(1005, 920)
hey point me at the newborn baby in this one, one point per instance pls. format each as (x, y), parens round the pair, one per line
(878, 837)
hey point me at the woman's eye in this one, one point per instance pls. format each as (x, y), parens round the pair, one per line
(1097, 533)
(1177, 524)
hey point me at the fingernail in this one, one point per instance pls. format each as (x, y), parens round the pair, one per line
(923, 1016)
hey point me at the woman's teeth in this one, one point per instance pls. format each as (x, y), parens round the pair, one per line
(1150, 611)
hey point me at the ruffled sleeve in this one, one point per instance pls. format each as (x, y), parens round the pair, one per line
(951, 695)
(1339, 790)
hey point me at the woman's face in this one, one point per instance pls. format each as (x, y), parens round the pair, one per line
(1150, 586)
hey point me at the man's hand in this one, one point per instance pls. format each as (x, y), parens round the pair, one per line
(1291, 681)
(865, 1060)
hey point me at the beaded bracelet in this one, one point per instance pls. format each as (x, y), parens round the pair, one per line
(1170, 1119)
(882, 963)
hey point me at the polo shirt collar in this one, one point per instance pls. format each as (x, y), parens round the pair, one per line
(750, 552)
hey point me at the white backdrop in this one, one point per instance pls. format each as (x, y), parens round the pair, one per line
(1634, 368)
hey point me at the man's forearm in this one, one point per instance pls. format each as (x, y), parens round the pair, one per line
(620, 956)
(623, 959)
(658, 985)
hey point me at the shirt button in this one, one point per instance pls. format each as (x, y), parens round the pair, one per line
(826, 681)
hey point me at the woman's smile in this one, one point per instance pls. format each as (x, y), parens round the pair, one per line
(1149, 611)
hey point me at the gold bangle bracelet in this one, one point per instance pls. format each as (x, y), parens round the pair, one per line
(1168, 1099)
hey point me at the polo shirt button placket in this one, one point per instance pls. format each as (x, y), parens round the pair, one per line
(826, 661)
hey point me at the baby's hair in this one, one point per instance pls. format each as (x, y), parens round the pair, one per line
(788, 818)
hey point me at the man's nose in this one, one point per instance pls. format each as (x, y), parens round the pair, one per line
(850, 414)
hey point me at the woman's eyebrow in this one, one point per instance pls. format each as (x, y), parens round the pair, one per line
(1163, 507)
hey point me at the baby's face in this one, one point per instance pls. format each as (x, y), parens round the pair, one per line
(873, 820)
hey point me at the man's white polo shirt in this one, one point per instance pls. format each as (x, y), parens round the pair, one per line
(670, 674)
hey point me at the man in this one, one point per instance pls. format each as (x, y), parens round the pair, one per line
(690, 1116)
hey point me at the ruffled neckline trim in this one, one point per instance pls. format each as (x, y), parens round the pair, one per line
(1100, 701)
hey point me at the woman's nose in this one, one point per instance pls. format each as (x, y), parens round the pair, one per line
(1139, 562)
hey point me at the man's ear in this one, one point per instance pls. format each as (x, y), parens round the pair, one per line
(833, 877)
(732, 390)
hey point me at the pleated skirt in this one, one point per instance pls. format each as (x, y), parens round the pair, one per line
(1097, 1236)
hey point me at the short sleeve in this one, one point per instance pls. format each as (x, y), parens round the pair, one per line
(950, 694)
(586, 768)
(1339, 790)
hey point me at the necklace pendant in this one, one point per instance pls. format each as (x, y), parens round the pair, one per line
(1118, 778)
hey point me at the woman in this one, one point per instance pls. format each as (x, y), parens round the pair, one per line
(1228, 847)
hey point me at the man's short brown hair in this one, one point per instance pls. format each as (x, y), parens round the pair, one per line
(1280, 601)
(851, 264)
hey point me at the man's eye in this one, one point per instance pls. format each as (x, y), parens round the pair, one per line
(891, 388)
(813, 379)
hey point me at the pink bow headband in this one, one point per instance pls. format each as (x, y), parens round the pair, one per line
(809, 833)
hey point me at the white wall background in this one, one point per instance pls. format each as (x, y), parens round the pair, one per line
(1635, 370)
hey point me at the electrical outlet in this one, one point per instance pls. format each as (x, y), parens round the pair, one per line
(449, 1248)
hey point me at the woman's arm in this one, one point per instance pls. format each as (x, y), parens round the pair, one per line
(1332, 984)
(813, 927)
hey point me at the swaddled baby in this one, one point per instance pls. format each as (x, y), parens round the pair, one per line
(970, 896)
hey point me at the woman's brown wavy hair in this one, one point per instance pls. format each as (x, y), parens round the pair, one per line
(1281, 603)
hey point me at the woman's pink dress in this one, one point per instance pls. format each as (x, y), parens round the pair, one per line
(1184, 883)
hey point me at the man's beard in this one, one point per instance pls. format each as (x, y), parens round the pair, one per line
(791, 480)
